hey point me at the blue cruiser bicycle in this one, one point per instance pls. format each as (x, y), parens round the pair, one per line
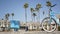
(50, 23)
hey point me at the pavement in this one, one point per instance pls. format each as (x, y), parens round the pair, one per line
(31, 32)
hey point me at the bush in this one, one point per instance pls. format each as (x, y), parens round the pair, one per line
(58, 28)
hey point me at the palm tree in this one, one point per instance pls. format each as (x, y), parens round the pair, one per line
(32, 10)
(34, 14)
(38, 6)
(43, 12)
(7, 18)
(12, 15)
(2, 19)
(48, 3)
(26, 6)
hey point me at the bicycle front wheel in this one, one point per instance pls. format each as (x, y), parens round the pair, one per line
(49, 24)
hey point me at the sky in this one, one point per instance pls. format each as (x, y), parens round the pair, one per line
(16, 7)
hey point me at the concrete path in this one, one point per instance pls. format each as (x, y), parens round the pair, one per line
(31, 32)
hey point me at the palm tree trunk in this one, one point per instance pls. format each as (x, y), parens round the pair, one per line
(34, 18)
(12, 17)
(49, 11)
(38, 18)
(39, 15)
(25, 15)
(31, 17)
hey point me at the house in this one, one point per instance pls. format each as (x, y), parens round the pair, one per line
(4, 25)
(58, 17)
(34, 26)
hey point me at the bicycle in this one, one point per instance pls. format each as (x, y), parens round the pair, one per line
(50, 23)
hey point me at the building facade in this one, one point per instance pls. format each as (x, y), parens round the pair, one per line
(4, 25)
(58, 17)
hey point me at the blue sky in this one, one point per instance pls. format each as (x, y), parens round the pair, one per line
(16, 7)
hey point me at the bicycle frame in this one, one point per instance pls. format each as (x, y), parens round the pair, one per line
(52, 15)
